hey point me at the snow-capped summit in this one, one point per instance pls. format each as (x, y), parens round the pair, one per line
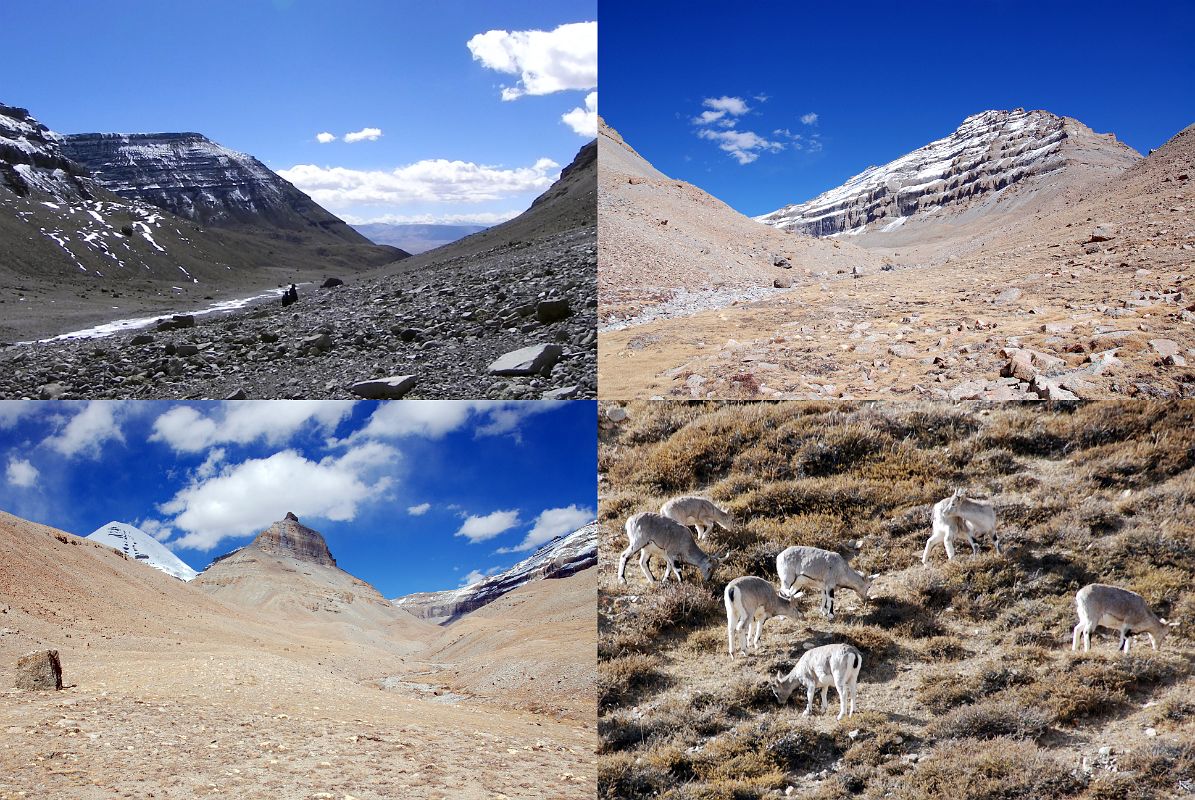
(140, 546)
(559, 558)
(990, 153)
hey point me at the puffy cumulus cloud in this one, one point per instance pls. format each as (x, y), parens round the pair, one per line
(247, 497)
(810, 118)
(86, 433)
(744, 146)
(419, 510)
(21, 472)
(478, 529)
(552, 523)
(735, 106)
(428, 181)
(363, 135)
(208, 468)
(433, 419)
(545, 61)
(155, 528)
(188, 430)
(325, 137)
(474, 576)
(481, 218)
(583, 121)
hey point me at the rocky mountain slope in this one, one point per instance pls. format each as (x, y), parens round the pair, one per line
(143, 548)
(667, 248)
(168, 687)
(996, 163)
(449, 318)
(559, 558)
(289, 573)
(195, 178)
(415, 238)
(72, 252)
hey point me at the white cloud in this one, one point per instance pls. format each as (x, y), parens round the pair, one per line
(11, 411)
(433, 419)
(432, 180)
(545, 61)
(419, 510)
(478, 529)
(734, 106)
(810, 118)
(552, 523)
(88, 430)
(208, 468)
(744, 146)
(155, 528)
(475, 576)
(186, 429)
(583, 121)
(245, 498)
(324, 138)
(21, 472)
(707, 117)
(483, 218)
(363, 135)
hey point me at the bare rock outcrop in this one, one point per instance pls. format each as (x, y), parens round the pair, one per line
(39, 671)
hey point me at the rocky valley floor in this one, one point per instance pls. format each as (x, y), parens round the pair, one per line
(445, 326)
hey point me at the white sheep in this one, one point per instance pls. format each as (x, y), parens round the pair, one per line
(834, 665)
(697, 512)
(959, 513)
(1100, 605)
(670, 539)
(750, 602)
(814, 568)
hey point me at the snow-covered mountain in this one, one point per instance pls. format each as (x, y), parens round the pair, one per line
(559, 558)
(140, 546)
(193, 177)
(991, 154)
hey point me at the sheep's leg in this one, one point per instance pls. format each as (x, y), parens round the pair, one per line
(841, 687)
(825, 699)
(1078, 634)
(1153, 641)
(702, 531)
(622, 562)
(1087, 639)
(810, 691)
(948, 543)
(1124, 640)
(828, 602)
(934, 539)
(730, 628)
(672, 566)
(645, 562)
(853, 685)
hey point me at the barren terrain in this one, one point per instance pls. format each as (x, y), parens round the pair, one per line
(171, 693)
(969, 687)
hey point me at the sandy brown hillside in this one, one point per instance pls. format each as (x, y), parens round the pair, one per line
(533, 647)
(666, 248)
(1092, 293)
(172, 693)
(969, 687)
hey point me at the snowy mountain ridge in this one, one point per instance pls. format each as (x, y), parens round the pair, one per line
(990, 152)
(140, 546)
(559, 558)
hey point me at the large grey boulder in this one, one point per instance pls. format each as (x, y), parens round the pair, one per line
(39, 671)
(528, 361)
(390, 388)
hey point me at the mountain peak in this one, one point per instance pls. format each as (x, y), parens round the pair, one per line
(289, 537)
(137, 545)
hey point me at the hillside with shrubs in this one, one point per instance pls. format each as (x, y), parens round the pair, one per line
(969, 687)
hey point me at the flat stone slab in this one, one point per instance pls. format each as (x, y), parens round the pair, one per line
(390, 388)
(527, 361)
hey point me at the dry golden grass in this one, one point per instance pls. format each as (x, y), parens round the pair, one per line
(968, 687)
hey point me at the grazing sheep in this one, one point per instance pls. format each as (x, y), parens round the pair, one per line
(814, 568)
(698, 512)
(960, 513)
(671, 539)
(1100, 605)
(750, 602)
(834, 665)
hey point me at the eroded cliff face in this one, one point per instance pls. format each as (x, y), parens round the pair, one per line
(559, 558)
(189, 175)
(31, 159)
(990, 152)
(289, 537)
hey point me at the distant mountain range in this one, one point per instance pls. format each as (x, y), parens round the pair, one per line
(559, 558)
(413, 238)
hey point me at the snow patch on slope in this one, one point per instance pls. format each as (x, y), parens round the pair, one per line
(140, 546)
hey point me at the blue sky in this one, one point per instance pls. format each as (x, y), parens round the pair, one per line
(267, 76)
(411, 496)
(882, 79)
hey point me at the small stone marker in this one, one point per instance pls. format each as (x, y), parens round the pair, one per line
(527, 361)
(390, 388)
